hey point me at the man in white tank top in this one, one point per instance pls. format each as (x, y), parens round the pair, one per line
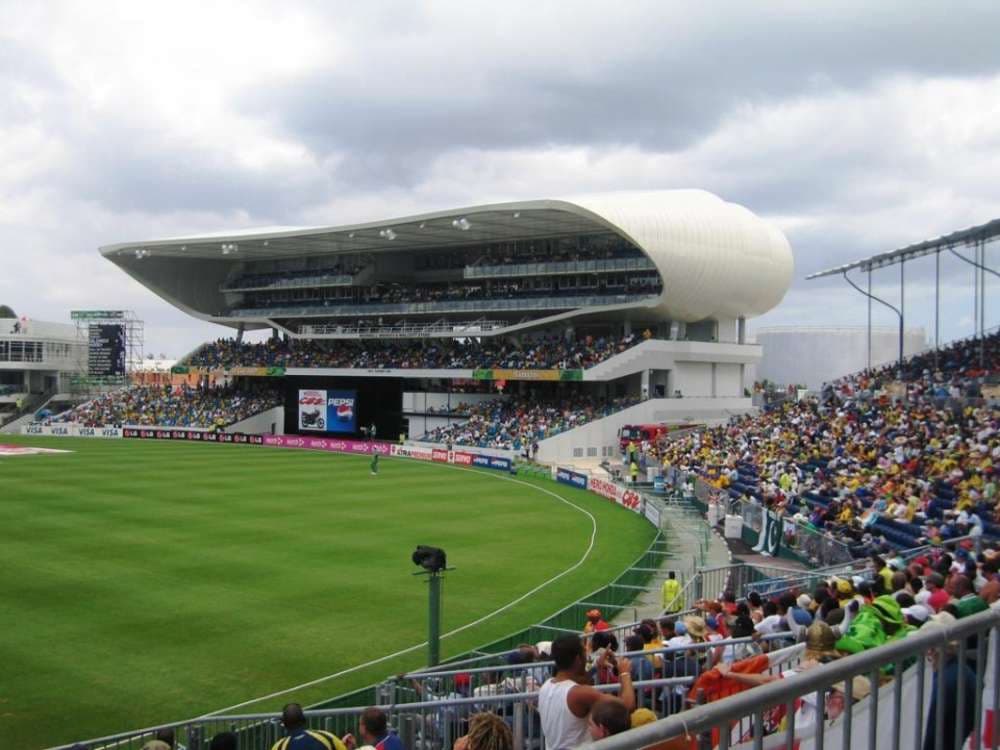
(564, 702)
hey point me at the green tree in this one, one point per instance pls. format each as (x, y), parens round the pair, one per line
(7, 312)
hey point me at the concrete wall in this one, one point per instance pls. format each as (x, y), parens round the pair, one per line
(599, 439)
(693, 379)
(267, 422)
(660, 354)
(813, 356)
(728, 381)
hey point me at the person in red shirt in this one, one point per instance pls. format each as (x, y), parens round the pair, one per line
(595, 622)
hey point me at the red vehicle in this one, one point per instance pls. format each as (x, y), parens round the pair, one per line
(639, 432)
(648, 432)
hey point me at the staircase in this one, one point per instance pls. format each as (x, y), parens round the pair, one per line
(688, 546)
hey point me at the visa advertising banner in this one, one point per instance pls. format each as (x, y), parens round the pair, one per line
(328, 411)
(572, 478)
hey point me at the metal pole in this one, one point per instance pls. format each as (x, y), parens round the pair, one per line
(869, 318)
(982, 304)
(434, 620)
(902, 310)
(937, 305)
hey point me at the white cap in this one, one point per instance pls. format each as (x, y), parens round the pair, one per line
(918, 612)
(804, 601)
(922, 596)
(544, 647)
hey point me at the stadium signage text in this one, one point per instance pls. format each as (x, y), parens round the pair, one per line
(155, 433)
(572, 478)
(617, 494)
(412, 451)
(72, 430)
(527, 374)
(327, 444)
(327, 411)
(97, 315)
(251, 372)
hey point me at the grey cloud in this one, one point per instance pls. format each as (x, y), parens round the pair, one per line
(630, 75)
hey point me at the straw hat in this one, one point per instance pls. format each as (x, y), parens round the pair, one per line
(695, 626)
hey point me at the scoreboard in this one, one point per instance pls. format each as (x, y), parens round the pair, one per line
(106, 350)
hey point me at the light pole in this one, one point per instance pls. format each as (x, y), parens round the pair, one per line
(434, 563)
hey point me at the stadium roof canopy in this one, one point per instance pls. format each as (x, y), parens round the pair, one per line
(715, 258)
(982, 233)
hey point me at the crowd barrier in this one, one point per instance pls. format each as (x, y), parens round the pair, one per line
(433, 711)
(935, 688)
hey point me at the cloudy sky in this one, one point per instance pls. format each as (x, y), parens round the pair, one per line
(856, 127)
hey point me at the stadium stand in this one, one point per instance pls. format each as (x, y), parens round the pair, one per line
(167, 407)
(540, 352)
(518, 423)
(880, 462)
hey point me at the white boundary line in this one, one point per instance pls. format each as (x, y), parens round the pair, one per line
(484, 618)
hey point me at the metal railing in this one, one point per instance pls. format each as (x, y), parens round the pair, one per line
(316, 281)
(557, 268)
(435, 712)
(401, 330)
(552, 302)
(921, 688)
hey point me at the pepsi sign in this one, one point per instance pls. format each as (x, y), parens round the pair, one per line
(341, 411)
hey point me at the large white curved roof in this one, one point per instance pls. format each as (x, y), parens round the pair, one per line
(717, 259)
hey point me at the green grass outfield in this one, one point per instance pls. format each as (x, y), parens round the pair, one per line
(146, 582)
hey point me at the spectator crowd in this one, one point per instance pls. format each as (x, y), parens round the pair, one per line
(542, 352)
(519, 423)
(876, 461)
(184, 406)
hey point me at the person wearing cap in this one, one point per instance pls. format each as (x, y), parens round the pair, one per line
(594, 624)
(916, 615)
(845, 592)
(877, 623)
(565, 700)
(681, 637)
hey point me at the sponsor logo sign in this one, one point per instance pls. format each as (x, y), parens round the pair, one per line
(572, 478)
(412, 451)
(202, 437)
(312, 410)
(617, 494)
(462, 458)
(441, 456)
(327, 411)
(72, 430)
(325, 444)
(499, 374)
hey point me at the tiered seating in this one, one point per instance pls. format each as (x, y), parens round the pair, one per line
(875, 462)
